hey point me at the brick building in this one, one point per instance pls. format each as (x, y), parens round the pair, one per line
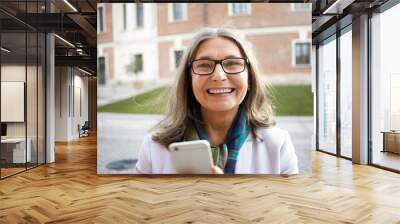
(150, 38)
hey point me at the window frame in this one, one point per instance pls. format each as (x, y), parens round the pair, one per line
(124, 17)
(142, 66)
(294, 64)
(136, 16)
(230, 9)
(171, 54)
(174, 56)
(294, 9)
(102, 6)
(171, 18)
(105, 69)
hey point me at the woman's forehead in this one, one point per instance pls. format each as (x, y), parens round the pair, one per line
(218, 48)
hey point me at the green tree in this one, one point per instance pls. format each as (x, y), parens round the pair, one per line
(136, 64)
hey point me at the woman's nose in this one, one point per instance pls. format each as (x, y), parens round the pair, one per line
(219, 73)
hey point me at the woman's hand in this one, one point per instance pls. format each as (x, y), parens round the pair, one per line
(217, 170)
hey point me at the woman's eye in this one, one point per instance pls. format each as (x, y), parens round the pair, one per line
(233, 63)
(204, 65)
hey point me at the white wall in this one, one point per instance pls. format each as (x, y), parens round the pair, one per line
(133, 41)
(16, 73)
(12, 101)
(80, 103)
(61, 103)
(70, 83)
(32, 106)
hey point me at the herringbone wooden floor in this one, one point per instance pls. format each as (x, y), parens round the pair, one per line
(70, 191)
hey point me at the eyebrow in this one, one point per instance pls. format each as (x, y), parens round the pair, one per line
(229, 56)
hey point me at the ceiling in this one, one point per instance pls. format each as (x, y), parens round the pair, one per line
(75, 21)
(72, 20)
(330, 15)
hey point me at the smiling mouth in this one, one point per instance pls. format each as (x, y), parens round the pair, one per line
(220, 91)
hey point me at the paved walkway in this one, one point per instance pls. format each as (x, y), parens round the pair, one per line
(120, 136)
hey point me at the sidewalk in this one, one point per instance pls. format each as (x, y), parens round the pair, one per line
(120, 137)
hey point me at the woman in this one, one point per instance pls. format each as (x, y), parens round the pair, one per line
(219, 96)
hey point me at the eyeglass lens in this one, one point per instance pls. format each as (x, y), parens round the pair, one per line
(230, 66)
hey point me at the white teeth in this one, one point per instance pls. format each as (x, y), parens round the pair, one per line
(218, 91)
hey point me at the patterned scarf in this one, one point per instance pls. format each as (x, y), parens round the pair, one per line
(224, 155)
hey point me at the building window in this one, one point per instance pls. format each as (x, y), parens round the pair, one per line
(124, 16)
(139, 15)
(177, 57)
(102, 70)
(302, 53)
(345, 94)
(301, 7)
(327, 97)
(385, 89)
(177, 12)
(138, 63)
(239, 9)
(394, 103)
(100, 16)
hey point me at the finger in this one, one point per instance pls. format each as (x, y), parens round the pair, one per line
(217, 170)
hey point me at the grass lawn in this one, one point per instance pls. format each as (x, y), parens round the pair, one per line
(287, 100)
(292, 100)
(152, 102)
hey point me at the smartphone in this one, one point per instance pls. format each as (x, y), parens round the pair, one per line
(191, 157)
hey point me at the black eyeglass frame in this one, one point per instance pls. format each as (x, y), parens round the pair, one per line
(246, 60)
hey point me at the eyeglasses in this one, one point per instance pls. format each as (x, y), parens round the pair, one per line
(230, 66)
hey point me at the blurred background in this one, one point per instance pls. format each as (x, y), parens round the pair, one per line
(139, 50)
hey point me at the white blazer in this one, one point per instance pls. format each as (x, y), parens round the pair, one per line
(274, 155)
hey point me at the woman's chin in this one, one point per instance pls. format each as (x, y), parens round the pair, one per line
(221, 107)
